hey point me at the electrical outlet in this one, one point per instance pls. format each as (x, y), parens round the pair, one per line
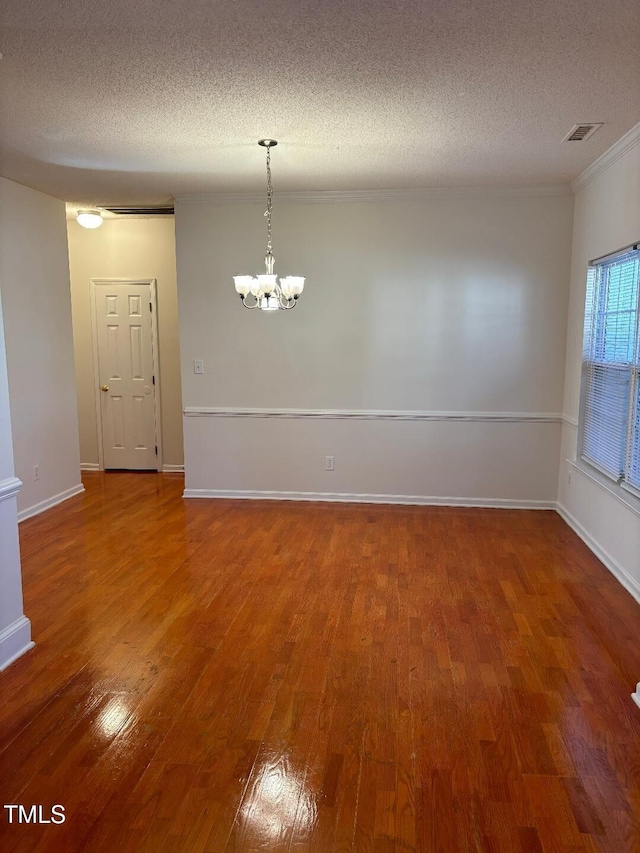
(329, 463)
(198, 365)
(36, 472)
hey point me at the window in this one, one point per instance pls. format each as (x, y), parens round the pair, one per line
(610, 411)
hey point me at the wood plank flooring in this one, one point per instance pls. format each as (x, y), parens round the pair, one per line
(262, 676)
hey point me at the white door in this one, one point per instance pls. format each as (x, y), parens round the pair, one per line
(125, 374)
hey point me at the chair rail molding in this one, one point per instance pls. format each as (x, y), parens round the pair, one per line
(374, 415)
(9, 488)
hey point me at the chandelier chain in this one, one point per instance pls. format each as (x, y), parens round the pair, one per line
(269, 200)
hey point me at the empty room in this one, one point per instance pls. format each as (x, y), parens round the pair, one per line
(320, 426)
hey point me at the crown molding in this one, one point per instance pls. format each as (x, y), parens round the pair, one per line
(617, 150)
(337, 196)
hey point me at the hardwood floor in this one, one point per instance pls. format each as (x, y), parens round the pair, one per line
(246, 676)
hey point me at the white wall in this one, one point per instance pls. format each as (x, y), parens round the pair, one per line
(607, 218)
(34, 275)
(127, 248)
(15, 628)
(450, 302)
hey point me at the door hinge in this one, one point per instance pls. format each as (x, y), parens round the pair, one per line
(156, 449)
(151, 306)
(153, 380)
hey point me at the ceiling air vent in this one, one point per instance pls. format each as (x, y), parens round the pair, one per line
(580, 132)
(165, 210)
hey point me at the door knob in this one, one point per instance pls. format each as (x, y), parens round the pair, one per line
(105, 388)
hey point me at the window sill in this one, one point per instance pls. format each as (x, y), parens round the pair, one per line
(623, 496)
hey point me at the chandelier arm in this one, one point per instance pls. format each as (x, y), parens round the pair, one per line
(283, 301)
(287, 302)
(246, 304)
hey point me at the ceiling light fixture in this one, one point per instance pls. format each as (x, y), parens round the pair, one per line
(264, 291)
(89, 218)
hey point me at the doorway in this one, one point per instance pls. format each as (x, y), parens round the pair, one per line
(126, 374)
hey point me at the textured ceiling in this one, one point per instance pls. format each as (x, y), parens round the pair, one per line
(131, 101)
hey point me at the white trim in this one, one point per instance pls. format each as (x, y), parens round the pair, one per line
(153, 296)
(612, 256)
(630, 584)
(89, 466)
(173, 469)
(609, 489)
(617, 150)
(636, 695)
(107, 216)
(54, 500)
(345, 497)
(337, 196)
(15, 640)
(155, 354)
(373, 415)
(9, 488)
(567, 420)
(630, 490)
(96, 372)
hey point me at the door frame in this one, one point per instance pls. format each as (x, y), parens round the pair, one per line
(94, 284)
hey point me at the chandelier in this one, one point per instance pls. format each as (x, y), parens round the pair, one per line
(265, 291)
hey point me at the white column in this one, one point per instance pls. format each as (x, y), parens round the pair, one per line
(15, 628)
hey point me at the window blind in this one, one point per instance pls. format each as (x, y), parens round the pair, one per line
(610, 410)
(634, 444)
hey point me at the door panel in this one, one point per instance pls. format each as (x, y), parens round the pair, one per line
(125, 368)
(117, 422)
(112, 369)
(135, 349)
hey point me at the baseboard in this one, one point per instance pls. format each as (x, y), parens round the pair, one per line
(15, 641)
(630, 584)
(343, 497)
(54, 500)
(166, 469)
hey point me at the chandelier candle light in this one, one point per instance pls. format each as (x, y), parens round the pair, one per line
(264, 291)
